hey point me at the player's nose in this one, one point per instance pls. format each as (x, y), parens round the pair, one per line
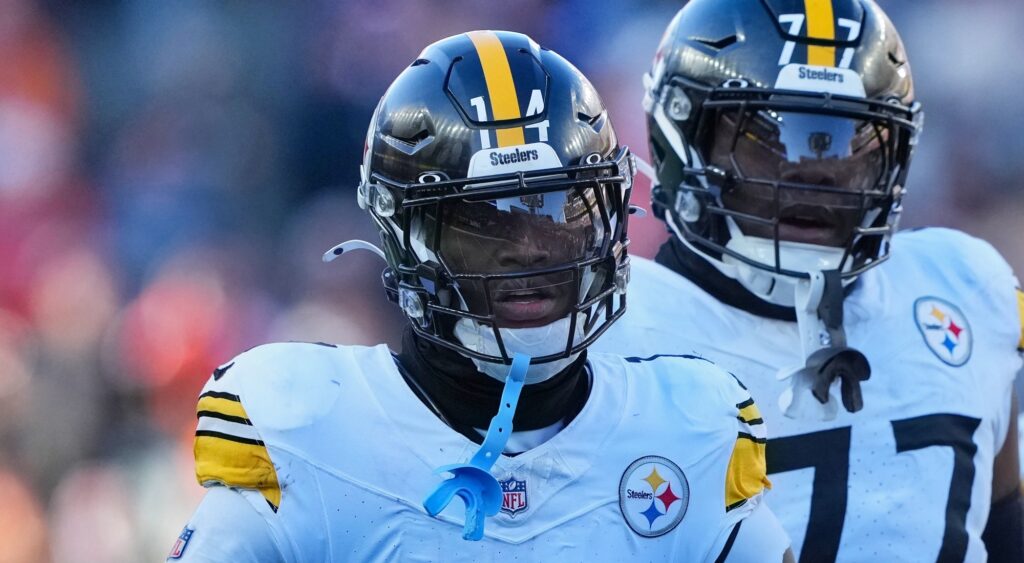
(817, 174)
(524, 252)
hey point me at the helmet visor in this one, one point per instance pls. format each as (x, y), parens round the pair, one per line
(813, 177)
(520, 253)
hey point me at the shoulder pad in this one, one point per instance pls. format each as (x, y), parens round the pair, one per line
(700, 388)
(972, 258)
(977, 264)
(705, 391)
(288, 384)
(270, 387)
(697, 370)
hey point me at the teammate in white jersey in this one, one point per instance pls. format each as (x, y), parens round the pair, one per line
(501, 195)
(781, 132)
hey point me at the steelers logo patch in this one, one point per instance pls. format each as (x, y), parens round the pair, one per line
(653, 496)
(945, 330)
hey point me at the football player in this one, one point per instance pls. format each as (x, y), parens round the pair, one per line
(501, 195)
(781, 132)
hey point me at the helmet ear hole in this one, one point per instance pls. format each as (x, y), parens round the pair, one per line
(679, 105)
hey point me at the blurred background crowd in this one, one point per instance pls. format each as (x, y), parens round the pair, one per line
(170, 173)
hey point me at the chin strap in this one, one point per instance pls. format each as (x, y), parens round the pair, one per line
(830, 365)
(473, 482)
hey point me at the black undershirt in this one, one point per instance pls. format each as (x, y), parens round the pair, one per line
(465, 399)
(675, 256)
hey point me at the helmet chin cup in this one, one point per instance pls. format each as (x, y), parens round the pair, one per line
(534, 342)
(775, 288)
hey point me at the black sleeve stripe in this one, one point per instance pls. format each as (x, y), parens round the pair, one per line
(229, 437)
(752, 421)
(222, 416)
(728, 543)
(219, 372)
(220, 395)
(736, 504)
(637, 360)
(738, 381)
(745, 404)
(752, 438)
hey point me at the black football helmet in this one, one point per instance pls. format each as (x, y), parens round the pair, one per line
(501, 195)
(781, 133)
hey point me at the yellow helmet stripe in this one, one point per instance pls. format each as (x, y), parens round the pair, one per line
(821, 24)
(501, 88)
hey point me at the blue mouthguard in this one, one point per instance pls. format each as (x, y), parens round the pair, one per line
(473, 482)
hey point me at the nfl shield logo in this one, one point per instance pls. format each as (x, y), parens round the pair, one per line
(513, 493)
(179, 546)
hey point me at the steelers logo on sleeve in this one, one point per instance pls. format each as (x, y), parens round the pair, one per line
(945, 330)
(653, 496)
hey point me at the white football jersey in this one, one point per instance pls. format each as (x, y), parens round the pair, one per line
(664, 460)
(909, 477)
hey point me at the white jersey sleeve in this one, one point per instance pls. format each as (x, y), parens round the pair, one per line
(727, 427)
(747, 476)
(973, 266)
(233, 459)
(1020, 315)
(226, 527)
(758, 537)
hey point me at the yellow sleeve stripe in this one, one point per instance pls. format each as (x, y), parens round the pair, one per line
(749, 413)
(747, 474)
(228, 449)
(236, 464)
(221, 403)
(1020, 311)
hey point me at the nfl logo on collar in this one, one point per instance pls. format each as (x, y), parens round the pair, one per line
(513, 496)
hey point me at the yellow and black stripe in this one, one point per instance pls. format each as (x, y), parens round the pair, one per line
(501, 86)
(747, 474)
(229, 451)
(821, 24)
